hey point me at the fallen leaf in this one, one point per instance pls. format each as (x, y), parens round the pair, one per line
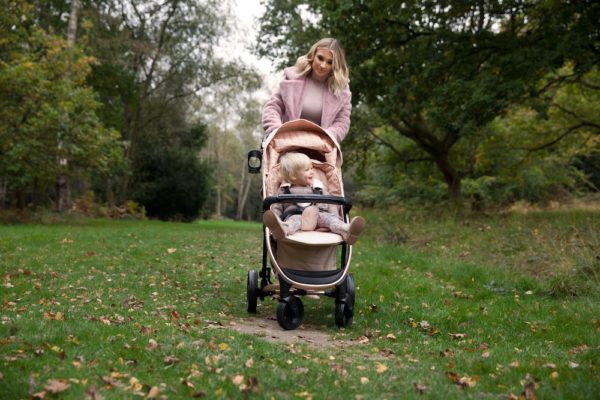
(92, 393)
(58, 316)
(457, 336)
(550, 366)
(364, 380)
(528, 391)
(579, 349)
(171, 250)
(573, 364)
(238, 380)
(153, 393)
(171, 359)
(223, 346)
(249, 363)
(420, 388)
(515, 364)
(56, 386)
(381, 368)
(152, 344)
(554, 375)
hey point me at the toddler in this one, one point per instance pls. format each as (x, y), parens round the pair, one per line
(284, 219)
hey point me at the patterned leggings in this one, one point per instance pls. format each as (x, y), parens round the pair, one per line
(324, 220)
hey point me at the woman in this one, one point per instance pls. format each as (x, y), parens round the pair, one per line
(316, 89)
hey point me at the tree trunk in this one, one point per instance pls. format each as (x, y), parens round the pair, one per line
(63, 188)
(451, 176)
(3, 188)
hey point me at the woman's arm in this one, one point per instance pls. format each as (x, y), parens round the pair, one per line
(273, 111)
(341, 124)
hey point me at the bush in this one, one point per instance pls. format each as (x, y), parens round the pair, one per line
(171, 184)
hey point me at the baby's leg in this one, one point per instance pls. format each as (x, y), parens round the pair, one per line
(333, 222)
(293, 223)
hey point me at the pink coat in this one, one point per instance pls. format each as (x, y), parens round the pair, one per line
(286, 105)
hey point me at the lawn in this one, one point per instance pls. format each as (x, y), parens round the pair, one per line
(496, 307)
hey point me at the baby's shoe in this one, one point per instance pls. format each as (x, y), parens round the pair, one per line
(309, 218)
(357, 224)
(274, 224)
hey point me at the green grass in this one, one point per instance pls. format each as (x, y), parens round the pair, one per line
(131, 308)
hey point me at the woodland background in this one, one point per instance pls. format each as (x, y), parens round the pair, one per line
(123, 108)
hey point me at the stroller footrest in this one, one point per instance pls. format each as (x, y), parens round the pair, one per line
(315, 238)
(313, 277)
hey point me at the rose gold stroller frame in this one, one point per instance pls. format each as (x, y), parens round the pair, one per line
(305, 262)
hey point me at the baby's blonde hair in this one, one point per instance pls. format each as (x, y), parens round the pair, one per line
(291, 163)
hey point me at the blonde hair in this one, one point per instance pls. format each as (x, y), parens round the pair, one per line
(340, 74)
(291, 163)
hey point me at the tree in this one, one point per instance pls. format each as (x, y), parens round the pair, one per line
(156, 59)
(47, 112)
(436, 73)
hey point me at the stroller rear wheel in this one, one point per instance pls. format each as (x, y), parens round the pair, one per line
(343, 315)
(290, 312)
(252, 291)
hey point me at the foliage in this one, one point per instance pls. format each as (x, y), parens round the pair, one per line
(149, 309)
(47, 112)
(438, 73)
(170, 180)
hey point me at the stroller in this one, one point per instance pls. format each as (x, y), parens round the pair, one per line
(305, 262)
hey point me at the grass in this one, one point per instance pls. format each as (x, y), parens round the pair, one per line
(444, 309)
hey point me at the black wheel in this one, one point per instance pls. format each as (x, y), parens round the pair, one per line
(290, 313)
(350, 291)
(343, 315)
(252, 291)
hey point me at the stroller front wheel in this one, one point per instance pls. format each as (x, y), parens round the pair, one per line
(290, 312)
(252, 291)
(343, 315)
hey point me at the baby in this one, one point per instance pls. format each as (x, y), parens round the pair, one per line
(284, 219)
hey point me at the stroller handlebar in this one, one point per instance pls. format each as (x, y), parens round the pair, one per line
(307, 198)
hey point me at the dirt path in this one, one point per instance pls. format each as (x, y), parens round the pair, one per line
(268, 329)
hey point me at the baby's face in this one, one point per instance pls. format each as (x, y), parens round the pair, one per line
(304, 177)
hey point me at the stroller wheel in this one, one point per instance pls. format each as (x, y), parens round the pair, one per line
(350, 291)
(343, 315)
(252, 291)
(290, 312)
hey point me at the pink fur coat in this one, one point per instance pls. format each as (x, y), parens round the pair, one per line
(286, 105)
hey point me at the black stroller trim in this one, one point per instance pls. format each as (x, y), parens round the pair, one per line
(314, 277)
(307, 198)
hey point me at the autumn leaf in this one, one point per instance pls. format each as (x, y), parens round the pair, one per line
(56, 386)
(171, 359)
(420, 388)
(457, 336)
(152, 344)
(58, 316)
(249, 363)
(380, 368)
(153, 393)
(223, 346)
(238, 380)
(171, 250)
(462, 381)
(92, 393)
